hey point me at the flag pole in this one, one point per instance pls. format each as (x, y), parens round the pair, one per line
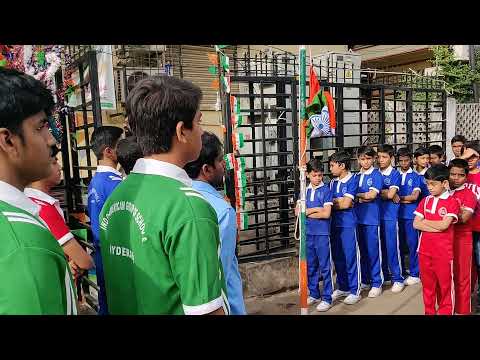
(303, 185)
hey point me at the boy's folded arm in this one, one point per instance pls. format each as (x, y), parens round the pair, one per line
(321, 212)
(343, 203)
(465, 215)
(408, 199)
(419, 224)
(443, 224)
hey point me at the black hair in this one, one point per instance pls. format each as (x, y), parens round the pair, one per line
(128, 152)
(404, 152)
(103, 137)
(473, 144)
(154, 108)
(436, 150)
(21, 96)
(420, 152)
(315, 165)
(458, 138)
(439, 172)
(386, 148)
(459, 163)
(341, 157)
(211, 149)
(366, 150)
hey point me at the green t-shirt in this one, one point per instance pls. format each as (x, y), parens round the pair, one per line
(34, 274)
(160, 248)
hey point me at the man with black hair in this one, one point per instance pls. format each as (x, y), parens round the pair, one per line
(104, 145)
(159, 236)
(435, 216)
(128, 152)
(422, 161)
(207, 173)
(345, 251)
(437, 154)
(367, 209)
(35, 276)
(463, 244)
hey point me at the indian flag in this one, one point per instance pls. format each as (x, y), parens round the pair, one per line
(226, 83)
(241, 195)
(238, 140)
(242, 220)
(241, 163)
(225, 62)
(242, 179)
(229, 161)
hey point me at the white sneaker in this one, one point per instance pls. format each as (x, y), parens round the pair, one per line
(411, 280)
(323, 306)
(338, 294)
(397, 287)
(312, 300)
(364, 287)
(351, 299)
(374, 292)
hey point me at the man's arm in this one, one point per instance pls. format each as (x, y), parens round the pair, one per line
(367, 196)
(410, 199)
(440, 225)
(77, 254)
(320, 212)
(342, 203)
(418, 223)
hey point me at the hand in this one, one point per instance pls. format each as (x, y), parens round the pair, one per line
(360, 200)
(396, 199)
(74, 268)
(468, 153)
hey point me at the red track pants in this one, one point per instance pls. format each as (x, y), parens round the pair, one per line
(462, 271)
(437, 282)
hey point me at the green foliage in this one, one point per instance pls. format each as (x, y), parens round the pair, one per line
(458, 75)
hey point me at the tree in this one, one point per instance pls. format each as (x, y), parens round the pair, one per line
(458, 75)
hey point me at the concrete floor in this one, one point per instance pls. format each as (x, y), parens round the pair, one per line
(408, 302)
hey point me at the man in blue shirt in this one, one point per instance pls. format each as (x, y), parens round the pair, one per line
(319, 206)
(367, 209)
(422, 161)
(207, 173)
(104, 143)
(345, 251)
(389, 206)
(409, 195)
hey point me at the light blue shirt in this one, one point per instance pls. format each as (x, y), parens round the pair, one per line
(227, 223)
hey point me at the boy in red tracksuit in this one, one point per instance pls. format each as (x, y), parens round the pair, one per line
(434, 217)
(462, 245)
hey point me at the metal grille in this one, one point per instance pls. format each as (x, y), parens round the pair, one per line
(372, 113)
(468, 120)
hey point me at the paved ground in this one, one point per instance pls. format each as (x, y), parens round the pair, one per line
(408, 302)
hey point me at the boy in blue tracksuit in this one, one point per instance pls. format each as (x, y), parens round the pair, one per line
(345, 250)
(409, 196)
(422, 161)
(104, 142)
(389, 207)
(319, 259)
(367, 209)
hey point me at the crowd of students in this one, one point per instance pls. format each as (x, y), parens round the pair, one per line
(164, 241)
(165, 238)
(367, 225)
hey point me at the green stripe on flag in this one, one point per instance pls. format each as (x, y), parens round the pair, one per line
(213, 70)
(229, 161)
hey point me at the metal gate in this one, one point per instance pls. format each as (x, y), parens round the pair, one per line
(402, 110)
(78, 123)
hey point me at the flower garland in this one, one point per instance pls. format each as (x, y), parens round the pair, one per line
(234, 161)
